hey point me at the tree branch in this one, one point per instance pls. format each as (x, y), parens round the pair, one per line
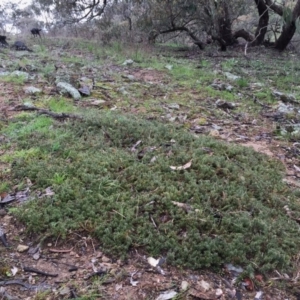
(41, 111)
(275, 7)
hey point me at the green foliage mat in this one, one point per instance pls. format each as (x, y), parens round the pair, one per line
(125, 198)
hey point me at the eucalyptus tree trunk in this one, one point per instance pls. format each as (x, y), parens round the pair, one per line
(224, 23)
(262, 23)
(221, 19)
(289, 29)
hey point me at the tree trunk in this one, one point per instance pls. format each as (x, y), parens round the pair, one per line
(224, 22)
(152, 36)
(262, 24)
(129, 22)
(288, 30)
(275, 7)
(285, 36)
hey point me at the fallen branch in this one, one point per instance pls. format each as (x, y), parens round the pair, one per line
(33, 270)
(60, 250)
(3, 238)
(41, 111)
(40, 287)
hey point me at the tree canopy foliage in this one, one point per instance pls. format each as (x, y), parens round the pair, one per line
(257, 22)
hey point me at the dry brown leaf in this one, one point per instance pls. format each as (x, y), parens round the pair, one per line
(201, 295)
(185, 206)
(186, 166)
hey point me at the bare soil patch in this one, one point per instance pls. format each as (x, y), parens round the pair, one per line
(77, 267)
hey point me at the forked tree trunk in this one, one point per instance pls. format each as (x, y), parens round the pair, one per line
(288, 30)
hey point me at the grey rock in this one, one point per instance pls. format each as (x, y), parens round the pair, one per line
(229, 88)
(130, 77)
(32, 90)
(20, 73)
(122, 90)
(284, 97)
(85, 81)
(285, 108)
(4, 73)
(85, 91)
(28, 104)
(66, 88)
(231, 76)
(128, 62)
(173, 106)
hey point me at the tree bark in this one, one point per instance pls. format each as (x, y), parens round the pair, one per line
(275, 7)
(262, 24)
(224, 22)
(154, 34)
(288, 30)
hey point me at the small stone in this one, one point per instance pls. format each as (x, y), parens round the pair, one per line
(128, 62)
(169, 67)
(66, 88)
(173, 106)
(214, 133)
(22, 248)
(229, 88)
(64, 291)
(36, 256)
(20, 74)
(85, 90)
(97, 102)
(231, 76)
(205, 285)
(184, 285)
(98, 254)
(32, 90)
(105, 259)
(130, 77)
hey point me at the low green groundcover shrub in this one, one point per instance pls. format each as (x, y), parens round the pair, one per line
(227, 207)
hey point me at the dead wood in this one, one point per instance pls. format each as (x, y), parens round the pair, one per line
(41, 111)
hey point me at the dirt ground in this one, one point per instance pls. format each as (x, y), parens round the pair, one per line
(67, 269)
